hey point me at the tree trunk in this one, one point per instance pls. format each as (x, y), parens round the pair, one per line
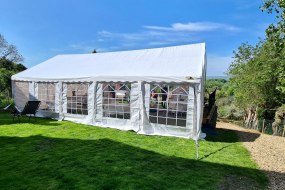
(263, 126)
(248, 116)
(255, 120)
(283, 134)
(275, 126)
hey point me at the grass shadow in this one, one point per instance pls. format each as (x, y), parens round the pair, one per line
(39, 162)
(6, 118)
(231, 136)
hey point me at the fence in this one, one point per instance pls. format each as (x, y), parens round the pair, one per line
(263, 126)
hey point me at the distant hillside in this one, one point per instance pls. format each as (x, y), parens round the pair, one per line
(217, 77)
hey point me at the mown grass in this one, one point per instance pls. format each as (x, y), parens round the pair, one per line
(47, 154)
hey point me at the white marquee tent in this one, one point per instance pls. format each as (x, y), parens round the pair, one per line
(151, 91)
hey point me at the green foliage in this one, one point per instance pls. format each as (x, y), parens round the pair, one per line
(227, 108)
(5, 79)
(5, 102)
(224, 99)
(241, 77)
(276, 35)
(255, 76)
(8, 57)
(11, 66)
(46, 154)
(275, 32)
(212, 84)
(280, 113)
(7, 69)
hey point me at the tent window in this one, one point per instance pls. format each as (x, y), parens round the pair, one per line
(77, 96)
(168, 104)
(116, 100)
(46, 94)
(21, 95)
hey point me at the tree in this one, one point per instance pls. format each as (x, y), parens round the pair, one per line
(9, 56)
(213, 84)
(9, 51)
(5, 81)
(276, 33)
(279, 116)
(255, 79)
(7, 69)
(257, 74)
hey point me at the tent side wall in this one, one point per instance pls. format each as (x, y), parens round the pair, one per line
(139, 106)
(144, 91)
(150, 128)
(200, 98)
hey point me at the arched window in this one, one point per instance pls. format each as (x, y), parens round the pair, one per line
(116, 100)
(46, 94)
(168, 104)
(77, 98)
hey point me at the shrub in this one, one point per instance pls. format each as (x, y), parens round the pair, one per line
(5, 102)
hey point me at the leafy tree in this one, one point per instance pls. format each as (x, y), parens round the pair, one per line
(276, 34)
(255, 79)
(241, 78)
(213, 84)
(8, 57)
(279, 116)
(9, 51)
(7, 69)
(257, 74)
(5, 80)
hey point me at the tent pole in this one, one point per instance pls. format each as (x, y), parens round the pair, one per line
(197, 149)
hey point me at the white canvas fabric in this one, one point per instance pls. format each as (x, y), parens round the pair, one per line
(148, 128)
(160, 64)
(91, 103)
(20, 93)
(184, 64)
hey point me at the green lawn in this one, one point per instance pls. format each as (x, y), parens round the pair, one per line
(47, 154)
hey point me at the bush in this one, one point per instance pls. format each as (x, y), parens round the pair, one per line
(224, 99)
(5, 102)
(228, 110)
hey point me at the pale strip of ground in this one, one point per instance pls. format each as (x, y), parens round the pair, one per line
(268, 152)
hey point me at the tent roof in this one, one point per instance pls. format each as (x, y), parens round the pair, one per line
(174, 63)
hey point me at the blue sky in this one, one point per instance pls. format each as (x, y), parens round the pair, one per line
(43, 29)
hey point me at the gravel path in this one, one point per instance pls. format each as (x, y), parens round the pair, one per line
(268, 152)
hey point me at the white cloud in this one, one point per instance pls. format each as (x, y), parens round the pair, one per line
(147, 38)
(217, 64)
(155, 36)
(195, 27)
